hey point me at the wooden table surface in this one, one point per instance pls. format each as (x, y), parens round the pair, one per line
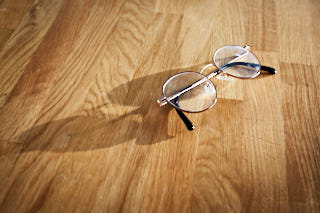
(80, 129)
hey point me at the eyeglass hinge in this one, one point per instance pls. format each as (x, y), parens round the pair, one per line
(162, 101)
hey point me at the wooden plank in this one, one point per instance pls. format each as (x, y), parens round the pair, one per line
(4, 36)
(38, 87)
(261, 24)
(295, 25)
(106, 98)
(315, 29)
(302, 133)
(152, 127)
(12, 12)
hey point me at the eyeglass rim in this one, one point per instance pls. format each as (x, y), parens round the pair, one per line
(215, 98)
(238, 46)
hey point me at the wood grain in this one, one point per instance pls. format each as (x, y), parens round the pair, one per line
(80, 129)
(23, 42)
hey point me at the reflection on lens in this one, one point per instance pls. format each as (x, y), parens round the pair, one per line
(237, 61)
(197, 99)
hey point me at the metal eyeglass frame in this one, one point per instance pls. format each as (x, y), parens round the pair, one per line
(164, 100)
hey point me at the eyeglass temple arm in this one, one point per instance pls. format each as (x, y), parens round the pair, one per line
(185, 120)
(183, 117)
(271, 70)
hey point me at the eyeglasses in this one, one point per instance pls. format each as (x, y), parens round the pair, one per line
(194, 92)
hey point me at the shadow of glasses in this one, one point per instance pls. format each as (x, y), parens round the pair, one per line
(145, 125)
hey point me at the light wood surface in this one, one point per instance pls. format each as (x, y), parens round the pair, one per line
(80, 129)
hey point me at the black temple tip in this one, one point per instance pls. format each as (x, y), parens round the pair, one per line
(270, 70)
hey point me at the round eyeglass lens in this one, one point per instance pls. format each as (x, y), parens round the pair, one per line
(197, 99)
(237, 61)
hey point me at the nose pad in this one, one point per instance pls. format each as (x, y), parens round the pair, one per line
(209, 88)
